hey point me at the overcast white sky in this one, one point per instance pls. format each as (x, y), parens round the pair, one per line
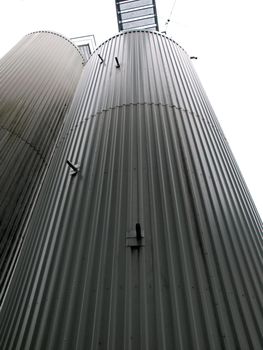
(226, 35)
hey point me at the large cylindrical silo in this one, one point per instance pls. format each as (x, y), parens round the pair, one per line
(144, 235)
(38, 79)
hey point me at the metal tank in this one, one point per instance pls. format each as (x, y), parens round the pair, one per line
(38, 79)
(144, 235)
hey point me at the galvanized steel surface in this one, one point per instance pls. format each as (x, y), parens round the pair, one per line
(38, 78)
(85, 50)
(149, 151)
(86, 44)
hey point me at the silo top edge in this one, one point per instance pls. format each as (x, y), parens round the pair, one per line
(61, 36)
(140, 31)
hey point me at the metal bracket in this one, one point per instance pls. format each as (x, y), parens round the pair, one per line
(101, 59)
(75, 168)
(117, 62)
(135, 238)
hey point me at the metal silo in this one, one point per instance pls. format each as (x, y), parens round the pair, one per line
(38, 79)
(144, 235)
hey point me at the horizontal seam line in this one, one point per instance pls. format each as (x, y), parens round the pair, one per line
(143, 104)
(25, 141)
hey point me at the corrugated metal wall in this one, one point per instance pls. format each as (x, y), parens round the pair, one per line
(38, 79)
(85, 50)
(151, 158)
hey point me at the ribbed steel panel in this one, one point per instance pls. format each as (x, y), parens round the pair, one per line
(150, 152)
(85, 50)
(86, 44)
(38, 79)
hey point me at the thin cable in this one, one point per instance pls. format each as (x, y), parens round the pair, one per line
(170, 16)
